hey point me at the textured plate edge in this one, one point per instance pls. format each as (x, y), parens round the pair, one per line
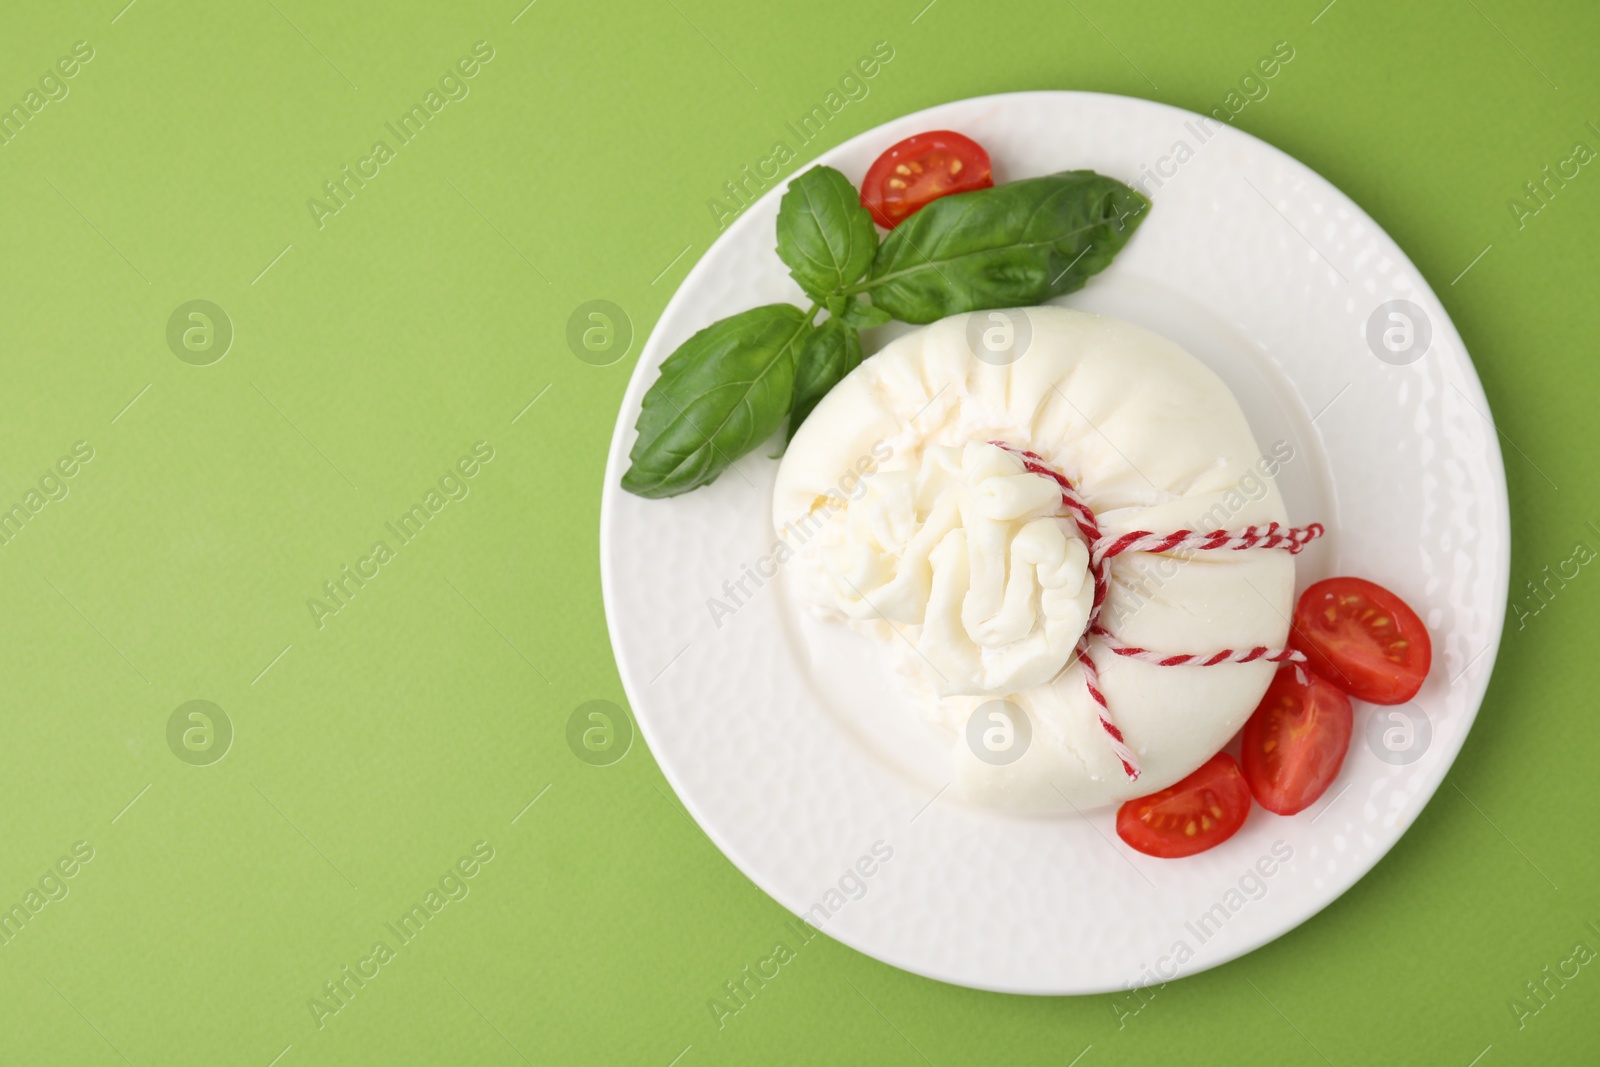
(617, 457)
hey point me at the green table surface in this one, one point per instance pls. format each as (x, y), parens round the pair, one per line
(375, 754)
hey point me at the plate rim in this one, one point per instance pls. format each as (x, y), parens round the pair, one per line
(610, 490)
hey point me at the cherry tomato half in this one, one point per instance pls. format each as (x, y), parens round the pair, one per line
(1363, 639)
(1203, 810)
(1295, 742)
(921, 169)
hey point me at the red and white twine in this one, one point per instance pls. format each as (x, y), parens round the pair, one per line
(1103, 549)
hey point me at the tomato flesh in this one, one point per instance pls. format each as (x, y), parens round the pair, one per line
(919, 170)
(1200, 812)
(1363, 639)
(1295, 742)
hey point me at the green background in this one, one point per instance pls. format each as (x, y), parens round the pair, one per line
(370, 354)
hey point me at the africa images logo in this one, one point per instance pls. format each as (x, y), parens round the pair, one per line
(742, 190)
(340, 591)
(53, 88)
(453, 86)
(453, 886)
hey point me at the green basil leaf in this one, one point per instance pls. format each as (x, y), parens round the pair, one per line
(832, 351)
(864, 316)
(723, 392)
(825, 236)
(1008, 246)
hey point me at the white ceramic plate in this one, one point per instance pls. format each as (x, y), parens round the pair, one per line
(795, 751)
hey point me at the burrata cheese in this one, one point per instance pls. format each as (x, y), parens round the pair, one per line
(908, 525)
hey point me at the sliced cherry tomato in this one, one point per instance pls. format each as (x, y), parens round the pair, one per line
(921, 169)
(1202, 811)
(1295, 742)
(1363, 639)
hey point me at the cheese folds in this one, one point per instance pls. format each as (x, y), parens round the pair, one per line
(908, 525)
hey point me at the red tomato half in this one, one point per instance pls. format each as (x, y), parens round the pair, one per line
(1203, 810)
(921, 169)
(1295, 742)
(1363, 639)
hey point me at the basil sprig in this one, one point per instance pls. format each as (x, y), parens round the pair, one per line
(730, 386)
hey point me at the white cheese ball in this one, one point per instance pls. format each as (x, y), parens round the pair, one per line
(910, 527)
